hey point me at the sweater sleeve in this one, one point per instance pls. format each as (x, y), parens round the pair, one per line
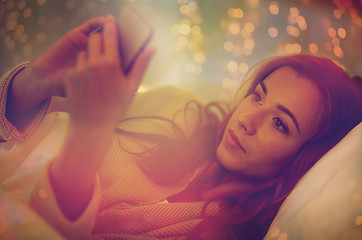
(8, 132)
(43, 201)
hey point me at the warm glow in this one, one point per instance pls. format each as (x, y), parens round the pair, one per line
(337, 50)
(332, 32)
(195, 30)
(297, 48)
(27, 50)
(40, 37)
(231, 12)
(275, 232)
(247, 51)
(273, 32)
(335, 42)
(313, 48)
(193, 46)
(41, 2)
(198, 69)
(228, 46)
(182, 1)
(245, 33)
(208, 49)
(274, 8)
(342, 32)
(174, 29)
(293, 31)
(190, 67)
(185, 9)
(27, 12)
(11, 25)
(199, 57)
(243, 67)
(249, 43)
(42, 193)
(238, 13)
(291, 19)
(184, 29)
(294, 12)
(249, 27)
(21, 4)
(254, 3)
(302, 24)
(337, 13)
(328, 46)
(19, 29)
(283, 236)
(9, 43)
(358, 221)
(23, 38)
(182, 41)
(293, 48)
(232, 66)
(234, 28)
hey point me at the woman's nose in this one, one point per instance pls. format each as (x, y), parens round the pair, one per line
(249, 122)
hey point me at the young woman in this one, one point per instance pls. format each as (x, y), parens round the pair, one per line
(161, 165)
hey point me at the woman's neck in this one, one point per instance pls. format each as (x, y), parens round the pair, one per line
(231, 184)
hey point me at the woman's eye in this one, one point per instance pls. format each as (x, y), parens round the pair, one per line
(257, 98)
(280, 126)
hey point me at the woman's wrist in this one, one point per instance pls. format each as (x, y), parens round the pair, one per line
(85, 145)
(73, 172)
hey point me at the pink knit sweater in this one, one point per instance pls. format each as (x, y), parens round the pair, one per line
(126, 204)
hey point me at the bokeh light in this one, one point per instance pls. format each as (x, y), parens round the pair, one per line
(197, 40)
(274, 8)
(273, 32)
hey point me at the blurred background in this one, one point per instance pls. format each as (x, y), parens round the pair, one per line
(206, 47)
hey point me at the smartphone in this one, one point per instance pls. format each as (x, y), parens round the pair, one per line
(133, 34)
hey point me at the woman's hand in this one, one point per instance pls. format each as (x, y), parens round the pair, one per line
(44, 76)
(98, 93)
(97, 90)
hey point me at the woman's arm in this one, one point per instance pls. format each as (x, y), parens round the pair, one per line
(98, 94)
(44, 77)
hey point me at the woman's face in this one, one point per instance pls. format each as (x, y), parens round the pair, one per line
(269, 126)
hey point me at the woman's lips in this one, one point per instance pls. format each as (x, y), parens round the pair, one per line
(233, 140)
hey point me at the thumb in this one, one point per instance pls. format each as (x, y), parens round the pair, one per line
(139, 67)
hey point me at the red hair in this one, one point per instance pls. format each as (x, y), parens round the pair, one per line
(248, 215)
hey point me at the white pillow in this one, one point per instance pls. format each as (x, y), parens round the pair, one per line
(327, 202)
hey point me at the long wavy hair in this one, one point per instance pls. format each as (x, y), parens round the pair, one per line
(248, 214)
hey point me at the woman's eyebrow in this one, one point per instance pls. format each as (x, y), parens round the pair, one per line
(263, 87)
(282, 108)
(290, 114)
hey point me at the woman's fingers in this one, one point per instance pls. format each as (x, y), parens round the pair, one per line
(81, 60)
(89, 26)
(110, 43)
(95, 47)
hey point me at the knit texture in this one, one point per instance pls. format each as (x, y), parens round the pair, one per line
(8, 132)
(131, 205)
